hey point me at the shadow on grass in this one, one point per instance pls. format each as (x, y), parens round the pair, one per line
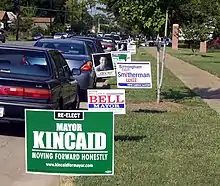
(150, 111)
(178, 95)
(202, 55)
(129, 138)
(206, 56)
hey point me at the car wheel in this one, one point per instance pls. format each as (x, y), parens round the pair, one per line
(94, 84)
(76, 103)
(3, 41)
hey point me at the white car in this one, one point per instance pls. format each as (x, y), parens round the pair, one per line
(60, 35)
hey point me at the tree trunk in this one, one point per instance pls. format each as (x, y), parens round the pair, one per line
(164, 52)
(158, 70)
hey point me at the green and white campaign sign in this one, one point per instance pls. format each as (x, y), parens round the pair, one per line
(120, 56)
(69, 142)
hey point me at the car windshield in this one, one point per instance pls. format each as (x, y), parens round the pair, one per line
(66, 48)
(22, 62)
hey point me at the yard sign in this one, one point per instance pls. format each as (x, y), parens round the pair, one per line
(69, 142)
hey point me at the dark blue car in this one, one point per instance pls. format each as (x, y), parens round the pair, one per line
(79, 58)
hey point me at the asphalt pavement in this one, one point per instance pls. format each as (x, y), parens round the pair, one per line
(25, 43)
(12, 154)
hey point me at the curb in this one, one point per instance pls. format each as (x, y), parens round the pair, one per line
(37, 180)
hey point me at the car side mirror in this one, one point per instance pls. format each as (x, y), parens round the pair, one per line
(76, 71)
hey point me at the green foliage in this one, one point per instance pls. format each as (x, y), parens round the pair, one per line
(145, 16)
(58, 27)
(6, 5)
(78, 15)
(38, 29)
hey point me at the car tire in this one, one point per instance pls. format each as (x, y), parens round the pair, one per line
(3, 41)
(76, 103)
(83, 95)
(94, 86)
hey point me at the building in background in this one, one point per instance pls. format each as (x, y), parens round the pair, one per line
(4, 20)
(43, 22)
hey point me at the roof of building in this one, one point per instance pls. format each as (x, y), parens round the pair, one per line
(42, 19)
(2, 14)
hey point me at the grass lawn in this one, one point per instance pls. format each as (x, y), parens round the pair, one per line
(206, 61)
(178, 147)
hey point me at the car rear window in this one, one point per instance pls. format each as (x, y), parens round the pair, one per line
(107, 40)
(24, 62)
(66, 48)
(91, 44)
(117, 38)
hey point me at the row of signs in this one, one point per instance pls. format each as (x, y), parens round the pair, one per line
(78, 142)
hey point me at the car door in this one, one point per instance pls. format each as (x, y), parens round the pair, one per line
(62, 78)
(72, 88)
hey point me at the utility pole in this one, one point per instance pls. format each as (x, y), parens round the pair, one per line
(99, 25)
(51, 7)
(17, 10)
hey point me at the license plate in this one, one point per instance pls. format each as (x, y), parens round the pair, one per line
(1, 112)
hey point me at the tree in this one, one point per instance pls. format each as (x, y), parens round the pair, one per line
(78, 15)
(201, 20)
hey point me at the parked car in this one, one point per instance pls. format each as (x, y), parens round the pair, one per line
(108, 44)
(150, 42)
(78, 55)
(2, 36)
(117, 38)
(100, 34)
(36, 37)
(108, 35)
(90, 43)
(34, 78)
(95, 40)
(162, 41)
(214, 43)
(60, 35)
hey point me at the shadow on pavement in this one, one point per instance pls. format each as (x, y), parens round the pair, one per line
(12, 129)
(129, 138)
(208, 93)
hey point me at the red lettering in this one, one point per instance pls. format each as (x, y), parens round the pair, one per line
(109, 99)
(118, 100)
(93, 99)
(102, 99)
(131, 80)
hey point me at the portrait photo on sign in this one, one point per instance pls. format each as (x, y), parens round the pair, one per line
(103, 64)
(122, 46)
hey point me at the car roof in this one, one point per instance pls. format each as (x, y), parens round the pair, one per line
(61, 41)
(82, 39)
(22, 47)
(85, 37)
(106, 38)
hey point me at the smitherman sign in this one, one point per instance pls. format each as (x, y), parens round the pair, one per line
(69, 142)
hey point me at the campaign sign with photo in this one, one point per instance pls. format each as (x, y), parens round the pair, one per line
(120, 56)
(103, 64)
(103, 100)
(123, 46)
(132, 48)
(135, 74)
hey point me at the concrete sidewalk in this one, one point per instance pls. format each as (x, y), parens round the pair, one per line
(204, 84)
